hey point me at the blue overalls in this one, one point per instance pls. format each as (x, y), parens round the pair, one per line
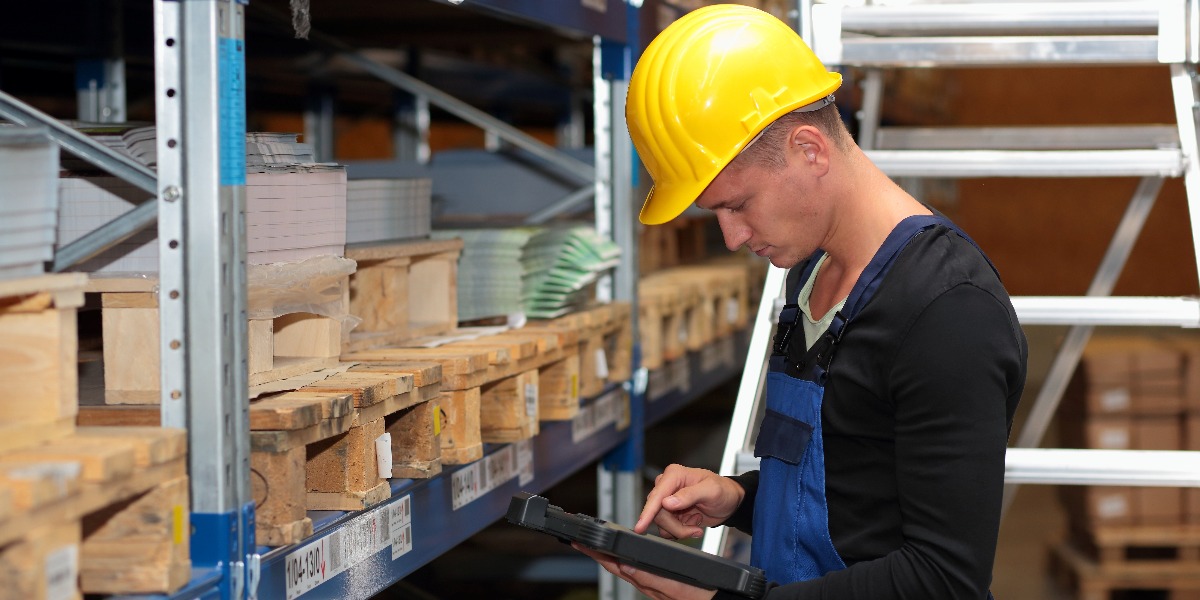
(791, 539)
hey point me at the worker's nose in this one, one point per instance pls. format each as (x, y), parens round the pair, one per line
(733, 230)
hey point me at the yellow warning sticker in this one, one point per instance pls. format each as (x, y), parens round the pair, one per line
(178, 523)
(437, 420)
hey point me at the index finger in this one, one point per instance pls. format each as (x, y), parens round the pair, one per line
(654, 503)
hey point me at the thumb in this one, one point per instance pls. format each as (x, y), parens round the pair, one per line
(685, 498)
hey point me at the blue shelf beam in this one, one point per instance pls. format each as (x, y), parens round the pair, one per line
(605, 18)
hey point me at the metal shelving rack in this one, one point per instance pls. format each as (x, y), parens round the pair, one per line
(197, 198)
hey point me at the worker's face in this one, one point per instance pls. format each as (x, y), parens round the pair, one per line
(770, 210)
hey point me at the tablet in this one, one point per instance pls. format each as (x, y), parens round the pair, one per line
(652, 553)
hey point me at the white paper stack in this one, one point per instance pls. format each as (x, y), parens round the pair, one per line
(88, 201)
(270, 148)
(490, 273)
(133, 139)
(28, 200)
(295, 212)
(292, 213)
(388, 209)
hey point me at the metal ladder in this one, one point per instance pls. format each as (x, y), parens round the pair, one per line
(1012, 34)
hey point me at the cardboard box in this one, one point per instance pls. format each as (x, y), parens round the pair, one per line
(1158, 506)
(1191, 440)
(1095, 506)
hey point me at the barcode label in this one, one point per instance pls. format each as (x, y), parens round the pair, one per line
(609, 409)
(400, 526)
(62, 573)
(524, 462)
(323, 559)
(470, 482)
(531, 400)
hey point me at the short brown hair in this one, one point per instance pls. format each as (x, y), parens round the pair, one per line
(766, 150)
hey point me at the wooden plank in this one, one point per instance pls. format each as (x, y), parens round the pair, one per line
(280, 441)
(35, 485)
(37, 364)
(416, 441)
(119, 415)
(423, 373)
(131, 355)
(350, 500)
(307, 335)
(285, 412)
(365, 388)
(278, 488)
(343, 472)
(287, 366)
(461, 442)
(379, 296)
(16, 435)
(129, 300)
(508, 409)
(386, 250)
(139, 546)
(261, 343)
(558, 390)
(462, 369)
(103, 283)
(100, 460)
(34, 294)
(151, 445)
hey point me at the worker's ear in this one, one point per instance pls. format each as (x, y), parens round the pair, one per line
(810, 146)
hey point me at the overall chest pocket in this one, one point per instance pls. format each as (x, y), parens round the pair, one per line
(782, 437)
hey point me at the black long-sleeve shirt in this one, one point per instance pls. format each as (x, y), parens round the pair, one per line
(917, 411)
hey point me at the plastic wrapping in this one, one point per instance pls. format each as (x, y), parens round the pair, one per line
(317, 285)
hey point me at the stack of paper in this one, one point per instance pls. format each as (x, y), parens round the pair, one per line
(560, 265)
(269, 148)
(292, 213)
(387, 209)
(490, 271)
(295, 212)
(133, 139)
(542, 272)
(28, 200)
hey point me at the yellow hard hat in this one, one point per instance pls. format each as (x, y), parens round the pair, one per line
(705, 87)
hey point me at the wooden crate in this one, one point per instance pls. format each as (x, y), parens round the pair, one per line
(280, 347)
(403, 291)
(603, 336)
(38, 350)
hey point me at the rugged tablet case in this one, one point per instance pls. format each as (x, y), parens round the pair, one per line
(652, 553)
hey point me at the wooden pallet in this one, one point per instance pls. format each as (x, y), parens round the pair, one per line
(281, 344)
(403, 291)
(603, 336)
(1089, 579)
(1177, 545)
(668, 317)
(474, 370)
(123, 491)
(38, 348)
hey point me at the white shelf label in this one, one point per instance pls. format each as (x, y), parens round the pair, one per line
(323, 559)
(470, 482)
(608, 409)
(400, 518)
(524, 462)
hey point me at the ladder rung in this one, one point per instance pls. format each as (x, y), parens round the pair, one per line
(991, 51)
(1169, 468)
(1029, 163)
(1099, 137)
(1108, 310)
(1057, 466)
(1028, 18)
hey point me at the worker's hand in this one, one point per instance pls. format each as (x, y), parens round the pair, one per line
(684, 501)
(654, 586)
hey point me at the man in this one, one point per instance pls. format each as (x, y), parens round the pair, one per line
(898, 362)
